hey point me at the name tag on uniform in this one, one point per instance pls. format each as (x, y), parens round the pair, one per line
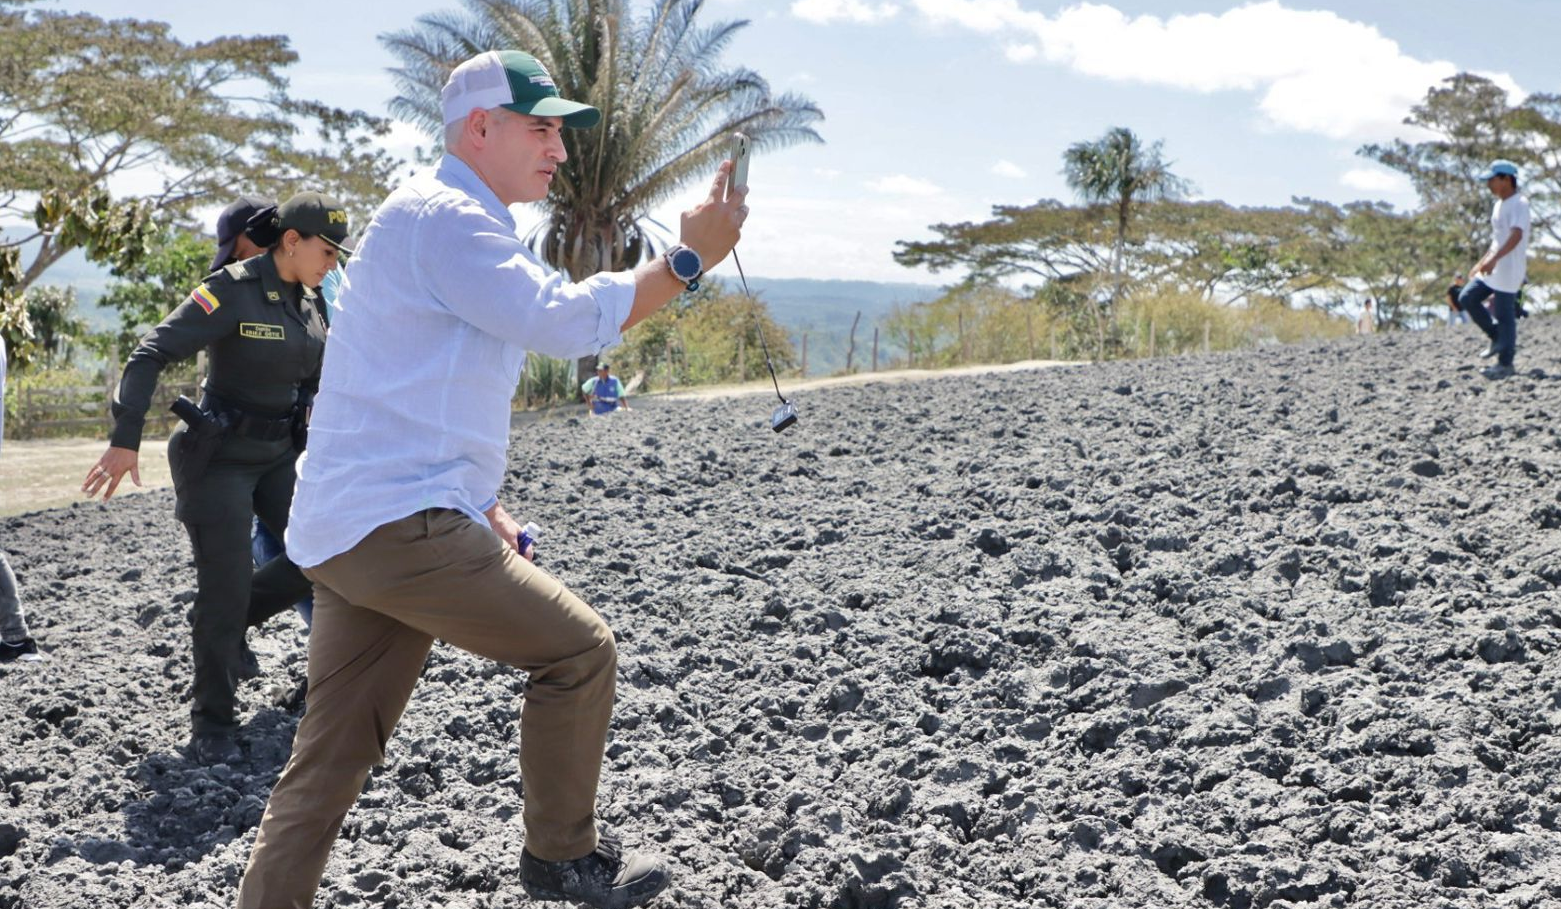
(261, 331)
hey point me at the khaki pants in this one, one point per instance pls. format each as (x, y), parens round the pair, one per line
(378, 608)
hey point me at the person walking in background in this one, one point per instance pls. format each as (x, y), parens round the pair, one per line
(604, 392)
(233, 459)
(1455, 313)
(1500, 273)
(1367, 323)
(397, 518)
(16, 643)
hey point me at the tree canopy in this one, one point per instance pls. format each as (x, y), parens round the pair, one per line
(1135, 234)
(90, 106)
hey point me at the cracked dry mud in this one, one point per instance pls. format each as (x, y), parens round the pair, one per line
(1273, 629)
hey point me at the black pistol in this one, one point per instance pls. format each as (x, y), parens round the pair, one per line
(201, 440)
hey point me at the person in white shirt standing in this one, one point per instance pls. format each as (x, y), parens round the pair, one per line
(396, 517)
(1501, 271)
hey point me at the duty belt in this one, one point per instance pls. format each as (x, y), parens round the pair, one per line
(251, 425)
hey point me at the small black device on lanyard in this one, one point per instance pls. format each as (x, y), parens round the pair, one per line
(786, 414)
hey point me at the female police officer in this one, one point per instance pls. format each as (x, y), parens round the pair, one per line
(260, 323)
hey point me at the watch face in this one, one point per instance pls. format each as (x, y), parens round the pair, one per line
(685, 264)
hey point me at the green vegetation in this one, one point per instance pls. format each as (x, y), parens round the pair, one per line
(706, 337)
(201, 118)
(1147, 270)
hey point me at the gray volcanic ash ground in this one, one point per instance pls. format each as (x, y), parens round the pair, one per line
(1276, 629)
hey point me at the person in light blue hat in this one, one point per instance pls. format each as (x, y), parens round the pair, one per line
(1501, 271)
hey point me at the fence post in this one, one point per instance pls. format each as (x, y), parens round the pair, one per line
(851, 351)
(1054, 341)
(669, 364)
(1151, 336)
(742, 357)
(1029, 331)
(1205, 336)
(111, 388)
(875, 348)
(804, 373)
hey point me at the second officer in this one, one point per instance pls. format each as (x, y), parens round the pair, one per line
(259, 321)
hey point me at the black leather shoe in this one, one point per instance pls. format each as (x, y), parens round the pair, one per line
(1498, 371)
(23, 651)
(213, 748)
(605, 879)
(1489, 351)
(249, 664)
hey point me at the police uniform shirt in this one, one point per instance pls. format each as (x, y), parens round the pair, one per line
(266, 340)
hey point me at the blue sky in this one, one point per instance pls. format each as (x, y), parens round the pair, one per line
(938, 109)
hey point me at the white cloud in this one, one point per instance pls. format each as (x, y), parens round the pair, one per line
(1311, 70)
(1021, 53)
(1009, 169)
(826, 11)
(902, 185)
(1375, 180)
(828, 173)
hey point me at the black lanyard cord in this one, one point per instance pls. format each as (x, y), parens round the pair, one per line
(759, 326)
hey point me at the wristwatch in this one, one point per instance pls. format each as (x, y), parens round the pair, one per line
(686, 265)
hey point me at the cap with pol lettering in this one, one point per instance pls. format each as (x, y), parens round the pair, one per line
(513, 80)
(316, 215)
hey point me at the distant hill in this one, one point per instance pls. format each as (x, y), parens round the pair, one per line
(91, 282)
(824, 309)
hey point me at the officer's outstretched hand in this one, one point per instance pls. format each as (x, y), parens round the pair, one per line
(110, 469)
(713, 227)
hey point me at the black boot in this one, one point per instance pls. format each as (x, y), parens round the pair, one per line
(213, 748)
(605, 879)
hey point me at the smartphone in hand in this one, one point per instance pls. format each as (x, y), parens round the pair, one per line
(739, 158)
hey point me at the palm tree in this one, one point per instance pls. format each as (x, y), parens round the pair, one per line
(1118, 170)
(668, 110)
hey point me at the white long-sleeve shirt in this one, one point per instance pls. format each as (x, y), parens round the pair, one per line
(428, 339)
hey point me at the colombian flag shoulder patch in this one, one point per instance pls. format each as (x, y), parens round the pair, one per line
(207, 300)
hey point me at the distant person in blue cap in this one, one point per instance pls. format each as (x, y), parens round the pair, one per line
(604, 392)
(1500, 273)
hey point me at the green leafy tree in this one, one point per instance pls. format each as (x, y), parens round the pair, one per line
(1470, 123)
(56, 327)
(148, 291)
(84, 100)
(1119, 171)
(668, 107)
(713, 336)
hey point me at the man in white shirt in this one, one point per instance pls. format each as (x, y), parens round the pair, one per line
(396, 518)
(1501, 271)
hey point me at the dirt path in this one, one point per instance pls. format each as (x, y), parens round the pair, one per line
(47, 473)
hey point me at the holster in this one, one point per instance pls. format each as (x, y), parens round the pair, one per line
(207, 429)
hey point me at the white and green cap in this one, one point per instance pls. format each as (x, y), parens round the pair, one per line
(513, 80)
